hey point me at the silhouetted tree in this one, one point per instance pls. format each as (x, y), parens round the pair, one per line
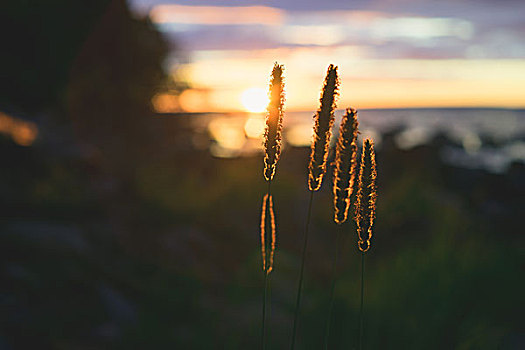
(38, 41)
(112, 81)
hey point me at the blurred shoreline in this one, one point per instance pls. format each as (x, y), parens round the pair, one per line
(476, 138)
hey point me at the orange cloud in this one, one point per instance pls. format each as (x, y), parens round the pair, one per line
(366, 82)
(216, 15)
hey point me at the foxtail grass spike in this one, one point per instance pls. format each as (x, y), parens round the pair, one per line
(263, 232)
(366, 196)
(267, 206)
(274, 122)
(324, 119)
(345, 164)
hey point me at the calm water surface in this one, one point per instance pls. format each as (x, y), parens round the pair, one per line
(478, 138)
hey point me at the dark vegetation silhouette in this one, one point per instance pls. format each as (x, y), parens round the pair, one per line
(323, 121)
(40, 40)
(112, 80)
(344, 179)
(272, 152)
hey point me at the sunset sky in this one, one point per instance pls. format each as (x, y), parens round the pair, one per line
(412, 53)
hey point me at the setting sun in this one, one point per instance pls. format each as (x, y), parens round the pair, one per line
(254, 100)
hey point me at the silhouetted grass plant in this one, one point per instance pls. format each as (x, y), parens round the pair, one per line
(365, 212)
(343, 184)
(345, 165)
(344, 177)
(324, 120)
(274, 123)
(272, 152)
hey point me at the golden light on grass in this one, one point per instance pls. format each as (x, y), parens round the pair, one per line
(324, 120)
(344, 176)
(366, 196)
(272, 152)
(345, 164)
(254, 100)
(274, 122)
(267, 204)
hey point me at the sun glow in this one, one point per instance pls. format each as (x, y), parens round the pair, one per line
(254, 127)
(254, 100)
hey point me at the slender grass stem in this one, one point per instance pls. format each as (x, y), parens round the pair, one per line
(263, 328)
(268, 309)
(269, 312)
(265, 293)
(301, 274)
(362, 297)
(332, 289)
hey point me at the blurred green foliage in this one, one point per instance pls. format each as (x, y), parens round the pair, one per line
(439, 275)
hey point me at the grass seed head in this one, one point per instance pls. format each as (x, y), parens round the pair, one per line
(324, 120)
(274, 122)
(345, 164)
(366, 196)
(267, 206)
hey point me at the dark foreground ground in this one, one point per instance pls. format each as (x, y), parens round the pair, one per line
(166, 253)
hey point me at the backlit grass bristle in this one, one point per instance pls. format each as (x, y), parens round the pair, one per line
(366, 196)
(324, 120)
(274, 122)
(267, 204)
(345, 164)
